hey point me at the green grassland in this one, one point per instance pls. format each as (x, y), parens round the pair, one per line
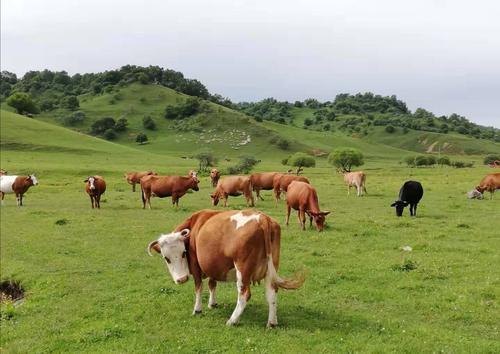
(92, 288)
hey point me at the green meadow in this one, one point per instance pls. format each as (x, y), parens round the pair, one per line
(91, 287)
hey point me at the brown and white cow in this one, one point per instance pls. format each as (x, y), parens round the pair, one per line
(233, 186)
(281, 183)
(263, 181)
(214, 176)
(17, 185)
(227, 246)
(490, 183)
(95, 186)
(302, 197)
(166, 186)
(134, 178)
(355, 179)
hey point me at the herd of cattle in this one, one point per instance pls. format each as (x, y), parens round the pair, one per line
(234, 245)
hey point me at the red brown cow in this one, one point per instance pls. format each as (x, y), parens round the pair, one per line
(227, 246)
(214, 176)
(355, 179)
(281, 183)
(134, 178)
(490, 183)
(303, 198)
(95, 187)
(17, 185)
(233, 186)
(263, 181)
(166, 186)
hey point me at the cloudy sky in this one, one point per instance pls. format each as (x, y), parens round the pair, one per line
(442, 55)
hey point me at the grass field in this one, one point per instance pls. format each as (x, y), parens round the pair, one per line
(90, 286)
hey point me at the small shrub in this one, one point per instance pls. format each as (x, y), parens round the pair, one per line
(490, 158)
(407, 266)
(101, 125)
(410, 161)
(121, 125)
(61, 222)
(421, 160)
(300, 159)
(74, 118)
(141, 138)
(148, 123)
(346, 158)
(110, 134)
(444, 160)
(390, 129)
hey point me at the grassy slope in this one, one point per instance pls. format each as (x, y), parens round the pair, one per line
(92, 288)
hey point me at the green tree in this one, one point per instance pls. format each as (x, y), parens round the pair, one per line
(74, 118)
(205, 159)
(390, 129)
(444, 160)
(121, 125)
(300, 159)
(346, 158)
(148, 123)
(141, 138)
(70, 102)
(22, 102)
(110, 134)
(101, 125)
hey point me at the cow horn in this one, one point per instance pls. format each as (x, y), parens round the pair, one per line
(151, 245)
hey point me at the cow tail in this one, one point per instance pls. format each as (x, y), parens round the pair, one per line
(271, 233)
(143, 196)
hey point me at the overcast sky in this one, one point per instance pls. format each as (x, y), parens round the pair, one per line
(441, 55)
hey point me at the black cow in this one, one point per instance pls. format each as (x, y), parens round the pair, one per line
(410, 193)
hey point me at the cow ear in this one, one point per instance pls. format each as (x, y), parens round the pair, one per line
(325, 213)
(212, 196)
(185, 233)
(154, 246)
(86, 180)
(393, 204)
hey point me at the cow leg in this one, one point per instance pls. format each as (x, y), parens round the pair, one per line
(271, 296)
(198, 287)
(257, 192)
(288, 210)
(364, 189)
(20, 200)
(348, 189)
(133, 187)
(415, 209)
(310, 221)
(250, 200)
(358, 190)
(2, 194)
(212, 285)
(276, 196)
(243, 286)
(302, 218)
(225, 200)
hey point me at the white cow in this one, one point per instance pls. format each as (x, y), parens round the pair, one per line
(355, 179)
(16, 184)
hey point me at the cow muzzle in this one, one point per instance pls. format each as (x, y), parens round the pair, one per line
(182, 280)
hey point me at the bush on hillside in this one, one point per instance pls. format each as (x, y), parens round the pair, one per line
(148, 123)
(191, 106)
(444, 161)
(141, 138)
(462, 164)
(121, 125)
(22, 102)
(490, 158)
(410, 161)
(110, 134)
(346, 158)
(74, 118)
(101, 125)
(70, 102)
(245, 165)
(390, 129)
(300, 159)
(205, 159)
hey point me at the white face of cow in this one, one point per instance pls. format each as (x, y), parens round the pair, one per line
(34, 180)
(91, 181)
(173, 251)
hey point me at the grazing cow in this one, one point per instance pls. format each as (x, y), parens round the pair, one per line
(214, 176)
(490, 183)
(134, 178)
(17, 185)
(263, 181)
(95, 187)
(281, 183)
(227, 246)
(410, 193)
(233, 186)
(355, 179)
(302, 197)
(166, 186)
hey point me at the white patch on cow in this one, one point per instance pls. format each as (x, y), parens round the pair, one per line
(33, 178)
(173, 251)
(242, 220)
(197, 302)
(212, 299)
(6, 183)
(91, 182)
(242, 302)
(271, 294)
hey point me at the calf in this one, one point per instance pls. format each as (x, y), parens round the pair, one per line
(233, 186)
(227, 246)
(262, 181)
(17, 185)
(355, 179)
(134, 178)
(95, 186)
(281, 183)
(409, 194)
(214, 176)
(303, 198)
(490, 183)
(166, 186)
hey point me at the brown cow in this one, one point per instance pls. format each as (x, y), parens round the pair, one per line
(134, 178)
(490, 183)
(303, 198)
(227, 246)
(355, 179)
(95, 187)
(262, 181)
(233, 186)
(281, 183)
(17, 185)
(214, 176)
(166, 186)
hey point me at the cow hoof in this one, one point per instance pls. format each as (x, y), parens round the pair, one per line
(231, 323)
(272, 325)
(213, 306)
(196, 312)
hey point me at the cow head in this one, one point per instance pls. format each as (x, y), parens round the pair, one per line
(214, 176)
(91, 181)
(194, 183)
(215, 198)
(400, 206)
(32, 180)
(319, 219)
(480, 189)
(172, 247)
